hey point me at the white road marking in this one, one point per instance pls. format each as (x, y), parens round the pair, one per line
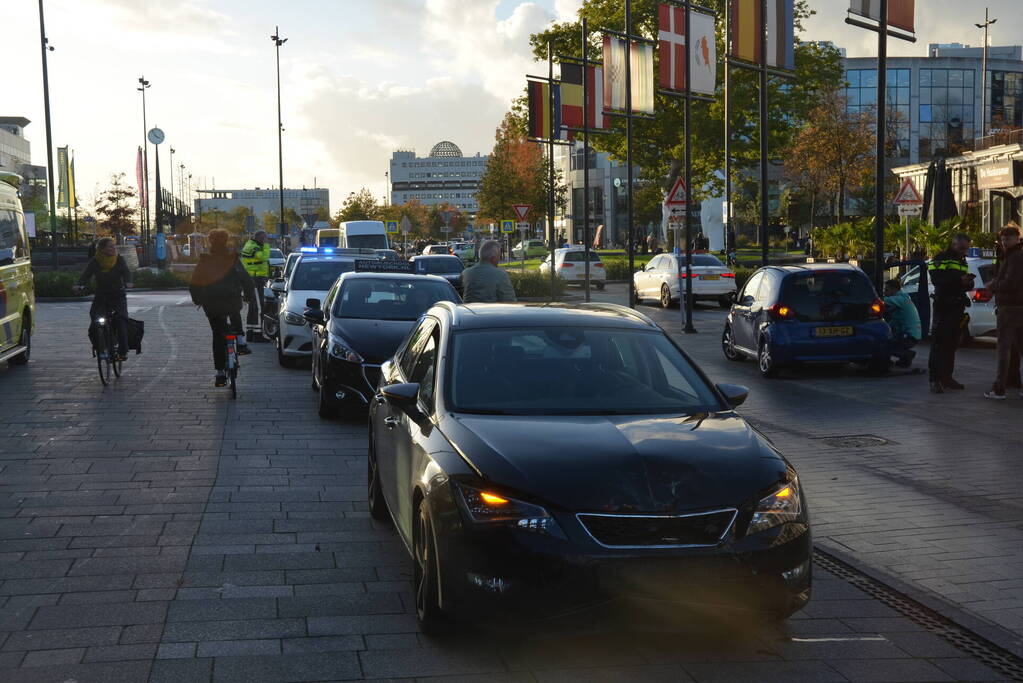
(839, 640)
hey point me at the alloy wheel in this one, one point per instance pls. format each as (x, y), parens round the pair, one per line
(665, 297)
(765, 360)
(728, 345)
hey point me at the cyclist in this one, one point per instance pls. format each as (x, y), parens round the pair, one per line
(113, 278)
(218, 285)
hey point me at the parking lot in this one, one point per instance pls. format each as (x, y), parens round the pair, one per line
(157, 530)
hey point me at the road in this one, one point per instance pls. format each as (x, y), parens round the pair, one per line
(157, 530)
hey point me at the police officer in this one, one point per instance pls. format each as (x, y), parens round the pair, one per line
(255, 257)
(952, 279)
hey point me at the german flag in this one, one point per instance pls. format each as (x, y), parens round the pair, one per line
(540, 124)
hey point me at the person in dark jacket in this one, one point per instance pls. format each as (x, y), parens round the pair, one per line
(113, 278)
(952, 279)
(1007, 286)
(219, 283)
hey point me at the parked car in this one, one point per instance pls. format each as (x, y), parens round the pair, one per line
(276, 258)
(664, 277)
(532, 249)
(543, 459)
(464, 250)
(982, 305)
(570, 265)
(816, 313)
(434, 249)
(364, 318)
(310, 280)
(448, 267)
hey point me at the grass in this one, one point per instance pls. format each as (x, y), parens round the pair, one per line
(616, 264)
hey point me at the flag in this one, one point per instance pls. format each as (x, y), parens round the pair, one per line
(138, 177)
(703, 59)
(748, 32)
(642, 75)
(540, 124)
(671, 40)
(72, 196)
(901, 13)
(572, 109)
(62, 181)
(781, 36)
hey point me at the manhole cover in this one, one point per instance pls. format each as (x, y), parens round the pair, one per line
(856, 441)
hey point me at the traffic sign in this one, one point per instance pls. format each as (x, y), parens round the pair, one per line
(908, 194)
(392, 226)
(507, 226)
(677, 196)
(522, 210)
(445, 228)
(910, 209)
(469, 228)
(406, 224)
(445, 216)
(523, 226)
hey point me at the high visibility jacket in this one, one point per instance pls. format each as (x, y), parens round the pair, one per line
(256, 259)
(946, 271)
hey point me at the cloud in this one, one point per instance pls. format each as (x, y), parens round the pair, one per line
(567, 10)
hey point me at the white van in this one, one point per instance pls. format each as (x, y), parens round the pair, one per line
(363, 235)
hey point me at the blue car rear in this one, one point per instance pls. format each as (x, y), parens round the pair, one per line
(822, 313)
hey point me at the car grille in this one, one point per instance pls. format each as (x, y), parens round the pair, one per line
(702, 529)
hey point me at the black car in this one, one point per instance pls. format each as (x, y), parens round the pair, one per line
(543, 459)
(363, 319)
(448, 267)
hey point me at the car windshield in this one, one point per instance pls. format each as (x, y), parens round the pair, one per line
(580, 257)
(319, 275)
(387, 299)
(328, 241)
(442, 265)
(367, 242)
(572, 371)
(828, 295)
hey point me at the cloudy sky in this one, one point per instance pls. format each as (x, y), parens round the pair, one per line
(359, 78)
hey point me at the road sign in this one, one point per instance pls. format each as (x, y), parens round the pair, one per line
(507, 226)
(908, 194)
(445, 228)
(523, 226)
(445, 216)
(392, 226)
(469, 228)
(910, 209)
(677, 196)
(522, 210)
(406, 224)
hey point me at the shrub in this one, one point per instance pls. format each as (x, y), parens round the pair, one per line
(159, 279)
(741, 275)
(618, 270)
(535, 285)
(57, 283)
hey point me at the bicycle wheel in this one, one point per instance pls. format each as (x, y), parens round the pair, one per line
(233, 377)
(103, 351)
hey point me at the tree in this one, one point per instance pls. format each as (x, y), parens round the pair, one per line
(115, 208)
(358, 206)
(416, 212)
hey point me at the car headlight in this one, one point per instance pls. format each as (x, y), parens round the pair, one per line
(338, 349)
(294, 319)
(784, 505)
(487, 508)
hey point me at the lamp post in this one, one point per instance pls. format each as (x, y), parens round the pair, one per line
(156, 137)
(143, 86)
(282, 225)
(173, 209)
(983, 75)
(44, 44)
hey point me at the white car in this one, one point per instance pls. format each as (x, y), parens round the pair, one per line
(982, 303)
(311, 279)
(464, 250)
(570, 265)
(659, 279)
(276, 258)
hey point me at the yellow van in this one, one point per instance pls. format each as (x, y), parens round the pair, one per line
(328, 238)
(17, 289)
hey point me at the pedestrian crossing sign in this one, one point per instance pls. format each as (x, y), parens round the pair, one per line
(508, 226)
(392, 226)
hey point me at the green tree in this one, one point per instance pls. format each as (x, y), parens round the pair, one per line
(358, 206)
(116, 209)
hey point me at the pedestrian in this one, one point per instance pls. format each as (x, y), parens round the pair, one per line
(952, 279)
(256, 259)
(1013, 379)
(1007, 286)
(218, 284)
(485, 282)
(113, 278)
(904, 319)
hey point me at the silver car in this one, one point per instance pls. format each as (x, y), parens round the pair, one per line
(309, 281)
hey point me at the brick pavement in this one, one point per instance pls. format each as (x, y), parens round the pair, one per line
(156, 530)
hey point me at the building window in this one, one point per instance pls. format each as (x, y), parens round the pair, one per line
(947, 98)
(861, 94)
(1006, 100)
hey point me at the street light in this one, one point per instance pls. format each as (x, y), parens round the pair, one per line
(983, 75)
(174, 211)
(46, 47)
(282, 226)
(143, 86)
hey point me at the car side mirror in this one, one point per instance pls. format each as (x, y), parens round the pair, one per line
(278, 286)
(313, 315)
(734, 394)
(402, 395)
(747, 300)
(312, 303)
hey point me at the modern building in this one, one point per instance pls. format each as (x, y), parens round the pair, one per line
(446, 176)
(16, 156)
(260, 201)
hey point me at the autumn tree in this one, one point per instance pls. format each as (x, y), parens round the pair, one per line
(358, 206)
(116, 209)
(417, 213)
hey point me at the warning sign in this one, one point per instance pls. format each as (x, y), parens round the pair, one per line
(908, 194)
(677, 196)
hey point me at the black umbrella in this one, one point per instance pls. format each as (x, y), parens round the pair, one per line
(939, 202)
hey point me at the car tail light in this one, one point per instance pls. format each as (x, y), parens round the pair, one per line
(981, 295)
(566, 265)
(877, 308)
(597, 265)
(781, 311)
(731, 275)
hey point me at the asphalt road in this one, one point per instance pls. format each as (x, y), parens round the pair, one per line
(157, 530)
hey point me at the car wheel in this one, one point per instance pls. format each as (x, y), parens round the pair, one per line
(284, 361)
(728, 345)
(665, 296)
(377, 504)
(765, 360)
(326, 405)
(600, 285)
(725, 302)
(424, 574)
(880, 366)
(26, 341)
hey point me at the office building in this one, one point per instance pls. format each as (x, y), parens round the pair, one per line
(261, 201)
(445, 176)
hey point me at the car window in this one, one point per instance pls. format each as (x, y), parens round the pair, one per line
(828, 295)
(386, 299)
(572, 370)
(987, 272)
(451, 264)
(424, 370)
(752, 285)
(319, 275)
(766, 289)
(911, 280)
(12, 236)
(416, 340)
(328, 300)
(707, 261)
(580, 257)
(276, 253)
(655, 263)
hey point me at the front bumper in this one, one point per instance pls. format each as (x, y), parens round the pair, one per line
(351, 382)
(296, 340)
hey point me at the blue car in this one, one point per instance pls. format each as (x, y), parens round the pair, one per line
(814, 313)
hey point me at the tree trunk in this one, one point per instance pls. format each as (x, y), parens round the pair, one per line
(841, 200)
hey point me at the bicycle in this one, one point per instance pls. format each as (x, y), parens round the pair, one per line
(232, 362)
(104, 348)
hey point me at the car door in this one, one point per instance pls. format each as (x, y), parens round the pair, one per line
(742, 311)
(321, 337)
(642, 277)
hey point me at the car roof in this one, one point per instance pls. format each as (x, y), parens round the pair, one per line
(489, 316)
(329, 257)
(805, 267)
(420, 257)
(356, 275)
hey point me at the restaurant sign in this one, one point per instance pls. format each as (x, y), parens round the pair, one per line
(997, 175)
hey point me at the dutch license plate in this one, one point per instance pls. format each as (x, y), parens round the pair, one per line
(710, 277)
(832, 331)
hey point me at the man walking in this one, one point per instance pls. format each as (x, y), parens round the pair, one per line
(1008, 290)
(952, 279)
(485, 282)
(255, 257)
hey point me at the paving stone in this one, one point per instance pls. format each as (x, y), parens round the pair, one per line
(250, 629)
(81, 616)
(53, 657)
(235, 648)
(890, 671)
(181, 670)
(120, 653)
(176, 651)
(304, 667)
(62, 638)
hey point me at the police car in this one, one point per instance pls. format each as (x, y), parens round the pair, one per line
(17, 289)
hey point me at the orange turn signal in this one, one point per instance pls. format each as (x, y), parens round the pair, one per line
(491, 499)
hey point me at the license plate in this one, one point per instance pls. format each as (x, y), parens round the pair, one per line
(832, 331)
(710, 277)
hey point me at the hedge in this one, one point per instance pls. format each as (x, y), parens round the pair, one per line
(58, 284)
(535, 285)
(160, 279)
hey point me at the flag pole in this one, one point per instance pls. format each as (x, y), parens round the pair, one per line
(882, 101)
(687, 131)
(764, 214)
(550, 155)
(628, 147)
(728, 128)
(586, 158)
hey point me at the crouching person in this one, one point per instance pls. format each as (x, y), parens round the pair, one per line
(904, 319)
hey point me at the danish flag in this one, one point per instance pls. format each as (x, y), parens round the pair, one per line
(671, 40)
